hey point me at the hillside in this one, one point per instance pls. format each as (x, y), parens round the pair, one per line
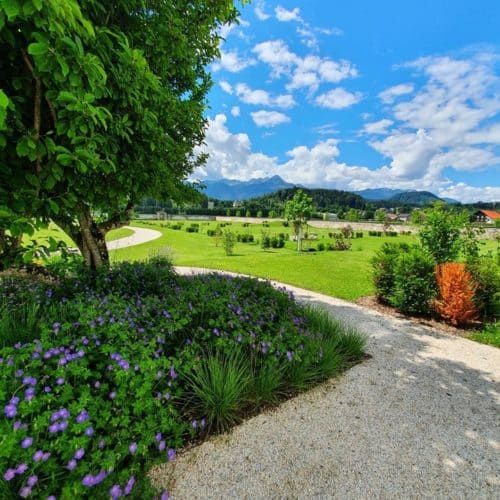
(413, 198)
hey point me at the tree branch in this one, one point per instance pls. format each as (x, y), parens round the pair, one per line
(118, 220)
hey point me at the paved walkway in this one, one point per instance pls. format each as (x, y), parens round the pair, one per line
(141, 235)
(419, 419)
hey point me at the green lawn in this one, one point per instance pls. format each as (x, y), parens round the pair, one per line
(59, 234)
(341, 274)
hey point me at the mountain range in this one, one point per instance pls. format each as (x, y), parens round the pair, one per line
(231, 189)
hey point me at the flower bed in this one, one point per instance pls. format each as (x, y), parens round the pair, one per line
(113, 373)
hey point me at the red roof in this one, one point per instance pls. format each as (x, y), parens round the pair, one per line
(491, 214)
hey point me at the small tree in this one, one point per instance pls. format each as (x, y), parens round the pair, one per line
(441, 232)
(352, 215)
(229, 241)
(380, 215)
(298, 210)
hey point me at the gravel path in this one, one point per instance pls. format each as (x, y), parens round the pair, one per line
(141, 235)
(419, 419)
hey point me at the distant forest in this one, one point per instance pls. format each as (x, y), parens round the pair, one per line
(324, 200)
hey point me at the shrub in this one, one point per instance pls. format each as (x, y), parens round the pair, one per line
(347, 231)
(414, 282)
(260, 214)
(359, 234)
(229, 241)
(486, 273)
(285, 223)
(321, 247)
(456, 287)
(383, 265)
(185, 344)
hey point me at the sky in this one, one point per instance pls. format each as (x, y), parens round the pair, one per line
(360, 94)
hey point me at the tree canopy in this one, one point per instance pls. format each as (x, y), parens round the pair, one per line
(101, 104)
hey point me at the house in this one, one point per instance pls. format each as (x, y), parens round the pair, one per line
(404, 217)
(487, 216)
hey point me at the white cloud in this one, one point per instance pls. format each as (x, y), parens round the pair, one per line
(443, 123)
(262, 97)
(269, 119)
(304, 72)
(284, 15)
(338, 98)
(231, 157)
(260, 11)
(389, 95)
(226, 86)
(232, 62)
(235, 111)
(379, 127)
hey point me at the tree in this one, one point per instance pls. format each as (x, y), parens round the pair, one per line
(380, 215)
(441, 232)
(101, 104)
(298, 210)
(352, 215)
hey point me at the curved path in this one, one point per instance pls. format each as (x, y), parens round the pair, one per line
(141, 235)
(419, 419)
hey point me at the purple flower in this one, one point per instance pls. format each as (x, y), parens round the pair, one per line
(97, 384)
(10, 411)
(60, 381)
(37, 456)
(71, 464)
(26, 442)
(82, 417)
(29, 394)
(164, 495)
(289, 355)
(9, 474)
(194, 424)
(159, 374)
(173, 375)
(158, 436)
(79, 453)
(171, 455)
(51, 497)
(115, 491)
(88, 480)
(17, 425)
(129, 485)
(112, 395)
(89, 431)
(18, 373)
(32, 480)
(161, 445)
(56, 327)
(46, 456)
(21, 468)
(25, 492)
(203, 422)
(102, 443)
(133, 447)
(61, 426)
(14, 400)
(53, 428)
(47, 389)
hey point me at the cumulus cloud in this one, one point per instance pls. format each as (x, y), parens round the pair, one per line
(445, 121)
(269, 119)
(226, 86)
(304, 72)
(379, 127)
(389, 95)
(235, 111)
(338, 98)
(232, 62)
(285, 16)
(260, 11)
(231, 156)
(262, 97)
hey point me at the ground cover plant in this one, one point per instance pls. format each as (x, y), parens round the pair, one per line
(120, 369)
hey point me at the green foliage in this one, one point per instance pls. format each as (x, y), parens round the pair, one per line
(383, 269)
(414, 282)
(490, 334)
(298, 210)
(352, 215)
(100, 106)
(440, 233)
(486, 273)
(218, 387)
(229, 242)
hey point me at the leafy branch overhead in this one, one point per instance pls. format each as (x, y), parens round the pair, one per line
(100, 105)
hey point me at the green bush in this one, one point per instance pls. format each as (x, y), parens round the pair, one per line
(414, 282)
(228, 242)
(486, 273)
(321, 247)
(383, 264)
(130, 364)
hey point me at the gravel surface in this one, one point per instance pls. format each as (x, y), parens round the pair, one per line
(419, 419)
(141, 235)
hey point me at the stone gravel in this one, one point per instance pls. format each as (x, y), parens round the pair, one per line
(419, 419)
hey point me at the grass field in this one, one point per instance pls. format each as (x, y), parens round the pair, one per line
(346, 274)
(59, 234)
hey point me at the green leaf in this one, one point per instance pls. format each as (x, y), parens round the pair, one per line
(66, 97)
(38, 4)
(11, 8)
(64, 159)
(38, 49)
(53, 206)
(4, 100)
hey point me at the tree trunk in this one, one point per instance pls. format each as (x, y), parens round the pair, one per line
(92, 243)
(9, 248)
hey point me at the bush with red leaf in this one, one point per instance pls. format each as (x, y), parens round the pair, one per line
(456, 293)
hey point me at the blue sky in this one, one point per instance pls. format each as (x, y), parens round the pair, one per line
(353, 95)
